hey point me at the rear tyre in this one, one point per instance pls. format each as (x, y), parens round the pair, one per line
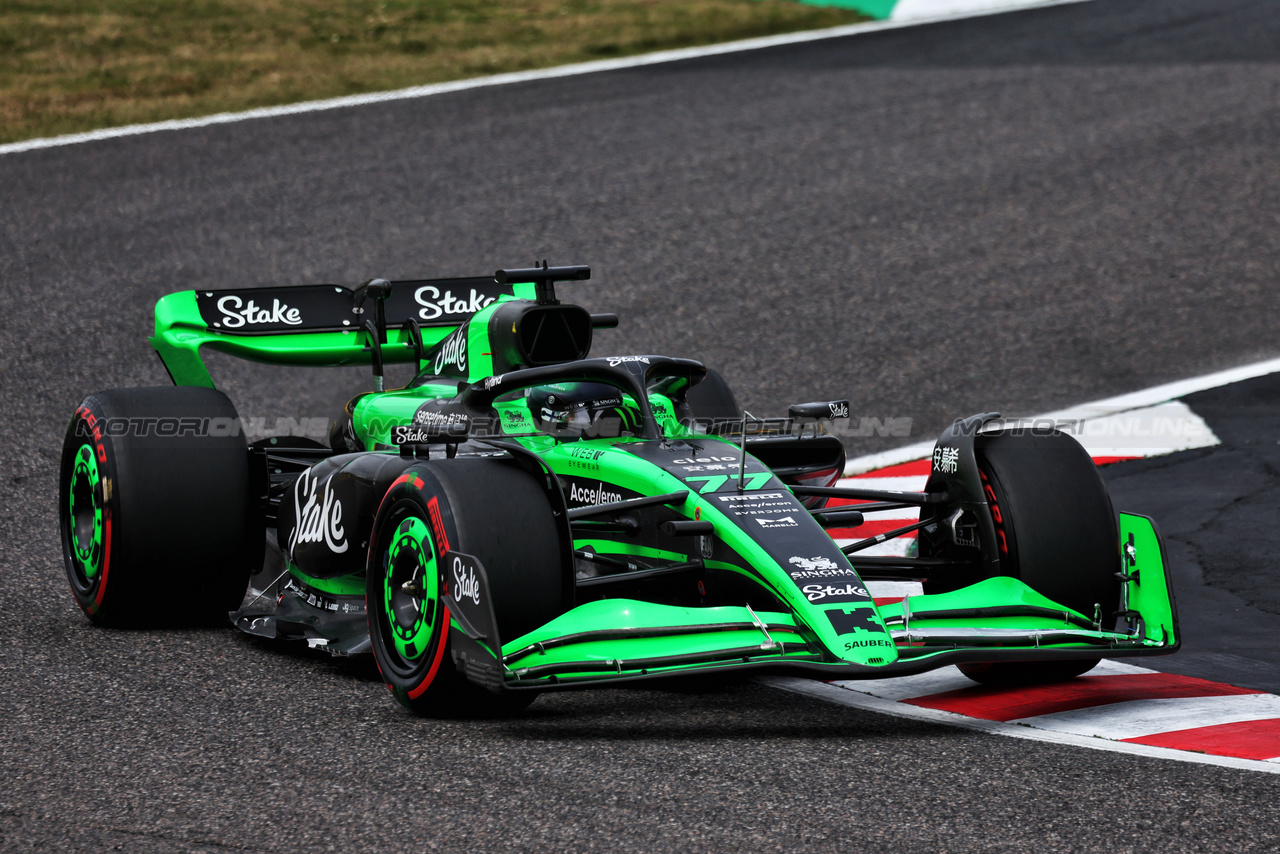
(491, 509)
(1056, 531)
(160, 525)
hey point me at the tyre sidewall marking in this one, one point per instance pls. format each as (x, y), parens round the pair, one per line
(97, 584)
(410, 486)
(88, 556)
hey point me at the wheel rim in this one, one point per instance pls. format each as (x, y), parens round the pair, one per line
(409, 560)
(85, 515)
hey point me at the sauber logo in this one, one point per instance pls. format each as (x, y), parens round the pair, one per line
(862, 644)
(317, 514)
(435, 306)
(236, 314)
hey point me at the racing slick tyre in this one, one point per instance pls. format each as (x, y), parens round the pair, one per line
(491, 509)
(1056, 531)
(160, 524)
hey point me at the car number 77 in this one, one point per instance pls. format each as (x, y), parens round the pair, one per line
(755, 480)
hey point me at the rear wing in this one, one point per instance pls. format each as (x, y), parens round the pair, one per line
(316, 325)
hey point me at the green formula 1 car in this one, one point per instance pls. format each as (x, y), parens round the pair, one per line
(524, 517)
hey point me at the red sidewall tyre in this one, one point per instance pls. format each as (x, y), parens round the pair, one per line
(159, 521)
(491, 509)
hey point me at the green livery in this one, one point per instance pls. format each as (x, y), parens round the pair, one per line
(526, 516)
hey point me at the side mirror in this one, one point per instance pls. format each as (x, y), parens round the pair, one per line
(820, 410)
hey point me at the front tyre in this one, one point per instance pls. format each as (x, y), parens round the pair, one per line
(488, 508)
(408, 622)
(1056, 531)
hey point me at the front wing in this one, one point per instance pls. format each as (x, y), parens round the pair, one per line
(999, 619)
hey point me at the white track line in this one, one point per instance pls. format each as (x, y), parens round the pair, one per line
(1079, 728)
(951, 679)
(833, 694)
(1140, 718)
(915, 10)
(1106, 406)
(943, 13)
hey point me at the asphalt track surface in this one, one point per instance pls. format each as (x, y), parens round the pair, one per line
(1021, 213)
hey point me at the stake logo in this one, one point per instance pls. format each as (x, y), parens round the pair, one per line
(435, 306)
(236, 314)
(465, 583)
(615, 361)
(818, 592)
(317, 515)
(453, 351)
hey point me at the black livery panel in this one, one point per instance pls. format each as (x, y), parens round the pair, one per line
(324, 519)
(321, 308)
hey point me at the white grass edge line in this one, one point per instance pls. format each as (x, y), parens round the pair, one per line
(972, 9)
(1112, 405)
(858, 700)
(573, 70)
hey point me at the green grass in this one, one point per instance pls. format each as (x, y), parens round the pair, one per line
(76, 65)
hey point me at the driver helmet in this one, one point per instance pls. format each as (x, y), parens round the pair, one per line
(582, 410)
